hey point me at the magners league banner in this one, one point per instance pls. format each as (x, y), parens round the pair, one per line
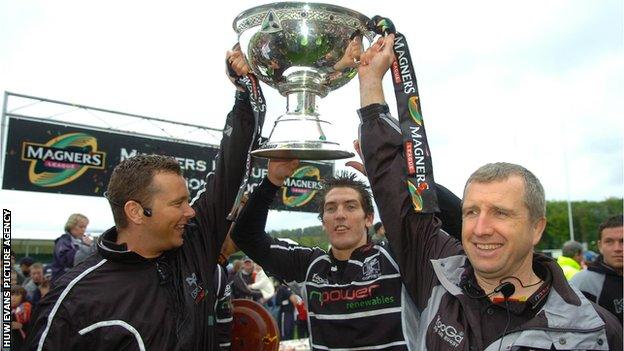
(65, 159)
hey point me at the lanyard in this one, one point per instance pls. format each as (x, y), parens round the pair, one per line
(420, 181)
(258, 105)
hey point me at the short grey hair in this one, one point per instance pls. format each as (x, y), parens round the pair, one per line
(534, 198)
(571, 248)
(73, 220)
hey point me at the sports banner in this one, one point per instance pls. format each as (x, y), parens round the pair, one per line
(65, 159)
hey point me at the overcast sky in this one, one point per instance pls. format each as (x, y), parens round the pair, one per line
(527, 82)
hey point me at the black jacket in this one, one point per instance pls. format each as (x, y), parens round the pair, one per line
(118, 300)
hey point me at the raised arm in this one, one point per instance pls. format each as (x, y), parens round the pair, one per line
(215, 201)
(278, 258)
(414, 237)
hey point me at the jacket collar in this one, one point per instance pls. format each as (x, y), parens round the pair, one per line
(563, 308)
(107, 247)
(358, 254)
(599, 266)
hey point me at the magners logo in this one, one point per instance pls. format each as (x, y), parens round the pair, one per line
(62, 159)
(301, 186)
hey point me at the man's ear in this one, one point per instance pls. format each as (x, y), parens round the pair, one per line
(134, 212)
(538, 230)
(369, 220)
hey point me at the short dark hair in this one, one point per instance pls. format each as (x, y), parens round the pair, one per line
(28, 261)
(345, 180)
(132, 180)
(611, 222)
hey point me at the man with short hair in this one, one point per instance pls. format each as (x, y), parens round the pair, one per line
(32, 286)
(497, 294)
(24, 268)
(601, 282)
(349, 288)
(151, 284)
(571, 258)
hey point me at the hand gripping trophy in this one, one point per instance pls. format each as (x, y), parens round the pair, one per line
(304, 50)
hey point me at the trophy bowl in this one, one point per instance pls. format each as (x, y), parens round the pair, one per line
(304, 50)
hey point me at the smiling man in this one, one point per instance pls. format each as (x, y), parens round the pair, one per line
(495, 293)
(349, 288)
(150, 284)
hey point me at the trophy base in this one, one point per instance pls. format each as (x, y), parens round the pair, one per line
(313, 151)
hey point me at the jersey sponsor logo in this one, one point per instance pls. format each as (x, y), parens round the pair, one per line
(617, 304)
(62, 159)
(370, 269)
(198, 292)
(341, 295)
(374, 302)
(448, 333)
(318, 280)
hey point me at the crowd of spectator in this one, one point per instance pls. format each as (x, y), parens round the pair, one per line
(249, 281)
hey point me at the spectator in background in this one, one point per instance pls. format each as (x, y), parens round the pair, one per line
(602, 281)
(262, 283)
(380, 233)
(72, 247)
(24, 269)
(33, 294)
(233, 270)
(242, 279)
(19, 277)
(20, 316)
(571, 258)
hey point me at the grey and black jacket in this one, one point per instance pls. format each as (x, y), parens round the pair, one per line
(118, 300)
(602, 285)
(433, 263)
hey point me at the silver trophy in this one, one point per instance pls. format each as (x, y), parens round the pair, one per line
(304, 50)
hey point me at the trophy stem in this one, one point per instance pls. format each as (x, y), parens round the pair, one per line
(302, 103)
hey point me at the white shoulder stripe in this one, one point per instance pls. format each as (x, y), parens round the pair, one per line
(361, 283)
(356, 262)
(60, 300)
(323, 258)
(225, 320)
(119, 323)
(389, 257)
(290, 248)
(370, 347)
(356, 314)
